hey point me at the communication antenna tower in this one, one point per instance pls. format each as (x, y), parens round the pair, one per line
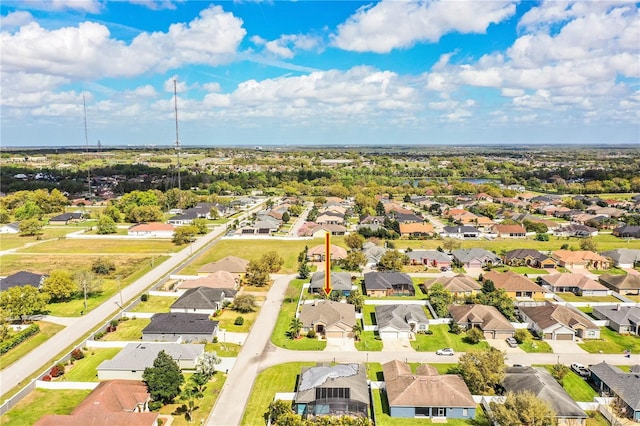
(86, 142)
(175, 103)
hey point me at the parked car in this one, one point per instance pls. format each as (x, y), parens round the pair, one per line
(445, 268)
(445, 351)
(580, 369)
(512, 342)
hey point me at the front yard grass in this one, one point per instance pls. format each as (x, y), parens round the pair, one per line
(40, 402)
(104, 246)
(280, 378)
(128, 330)
(228, 316)
(369, 341)
(522, 270)
(570, 297)
(441, 338)
(204, 405)
(532, 345)
(611, 342)
(596, 419)
(369, 314)
(47, 330)
(85, 370)
(155, 304)
(576, 386)
(223, 349)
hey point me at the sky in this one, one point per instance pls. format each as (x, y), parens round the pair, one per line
(343, 73)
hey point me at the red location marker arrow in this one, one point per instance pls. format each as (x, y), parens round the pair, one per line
(327, 264)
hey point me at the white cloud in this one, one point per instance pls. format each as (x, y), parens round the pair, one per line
(285, 46)
(156, 4)
(392, 24)
(15, 20)
(511, 93)
(89, 6)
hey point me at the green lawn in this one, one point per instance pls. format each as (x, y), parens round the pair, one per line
(522, 270)
(441, 338)
(596, 419)
(369, 341)
(105, 246)
(576, 386)
(128, 330)
(223, 349)
(611, 342)
(40, 402)
(612, 271)
(280, 378)
(228, 317)
(155, 304)
(532, 345)
(280, 337)
(204, 405)
(84, 370)
(634, 297)
(47, 329)
(570, 297)
(369, 314)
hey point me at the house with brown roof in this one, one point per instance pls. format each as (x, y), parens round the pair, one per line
(580, 259)
(578, 284)
(426, 393)
(509, 231)
(623, 284)
(113, 403)
(233, 264)
(317, 253)
(487, 318)
(557, 322)
(327, 318)
(515, 284)
(219, 279)
(416, 229)
(152, 230)
(528, 257)
(388, 283)
(459, 285)
(319, 231)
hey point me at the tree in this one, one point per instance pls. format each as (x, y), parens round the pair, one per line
(278, 409)
(588, 244)
(184, 234)
(31, 227)
(354, 241)
(303, 270)
(522, 408)
(29, 210)
(559, 372)
(200, 225)
(499, 299)
(482, 371)
(113, 212)
(4, 216)
(272, 261)
(380, 209)
(488, 286)
(356, 299)
(286, 217)
(190, 395)
(106, 225)
(206, 364)
(244, 303)
(88, 284)
(257, 274)
(521, 335)
(537, 227)
(357, 330)
(21, 301)
(294, 327)
(144, 214)
(542, 237)
(60, 285)
(353, 261)
(214, 213)
(392, 260)
(440, 299)
(474, 335)
(164, 379)
(450, 244)
(103, 266)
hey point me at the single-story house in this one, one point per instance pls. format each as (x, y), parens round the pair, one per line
(318, 253)
(319, 231)
(580, 259)
(460, 232)
(622, 257)
(416, 229)
(112, 402)
(627, 231)
(623, 319)
(576, 230)
(373, 253)
(557, 322)
(460, 285)
(509, 231)
(336, 390)
(487, 318)
(168, 327)
(609, 380)
(328, 318)
(425, 393)
(516, 285)
(21, 279)
(219, 279)
(542, 384)
(203, 300)
(10, 228)
(233, 264)
(381, 284)
(623, 284)
(475, 258)
(340, 281)
(528, 257)
(66, 218)
(429, 258)
(152, 230)
(573, 283)
(130, 362)
(401, 321)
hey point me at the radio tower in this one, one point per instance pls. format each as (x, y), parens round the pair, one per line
(175, 101)
(86, 142)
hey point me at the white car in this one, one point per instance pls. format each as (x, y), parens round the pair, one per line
(445, 351)
(580, 369)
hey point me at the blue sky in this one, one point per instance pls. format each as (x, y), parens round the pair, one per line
(319, 72)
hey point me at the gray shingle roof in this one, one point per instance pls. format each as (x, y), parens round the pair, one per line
(621, 255)
(179, 322)
(467, 255)
(340, 281)
(21, 279)
(619, 314)
(385, 280)
(202, 298)
(397, 316)
(138, 356)
(625, 385)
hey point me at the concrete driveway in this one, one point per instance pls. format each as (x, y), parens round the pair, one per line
(565, 347)
(397, 345)
(338, 344)
(474, 272)
(501, 344)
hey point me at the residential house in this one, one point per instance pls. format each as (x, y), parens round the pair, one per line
(318, 253)
(575, 230)
(130, 362)
(336, 390)
(627, 231)
(381, 284)
(401, 321)
(460, 285)
(330, 218)
(462, 232)
(425, 393)
(416, 229)
(233, 264)
(557, 322)
(203, 300)
(487, 318)
(609, 380)
(113, 403)
(623, 319)
(578, 284)
(373, 253)
(319, 231)
(21, 279)
(628, 284)
(528, 257)
(475, 258)
(66, 218)
(10, 228)
(340, 282)
(152, 230)
(327, 318)
(429, 258)
(220, 279)
(623, 258)
(372, 220)
(509, 231)
(541, 383)
(580, 259)
(168, 327)
(407, 218)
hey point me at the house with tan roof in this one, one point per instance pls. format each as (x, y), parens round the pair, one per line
(416, 229)
(317, 253)
(233, 264)
(113, 403)
(459, 285)
(152, 230)
(426, 393)
(528, 257)
(515, 284)
(557, 322)
(219, 279)
(580, 259)
(329, 319)
(578, 284)
(487, 318)
(623, 284)
(509, 231)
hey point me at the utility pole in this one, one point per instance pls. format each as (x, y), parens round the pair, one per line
(175, 103)
(86, 142)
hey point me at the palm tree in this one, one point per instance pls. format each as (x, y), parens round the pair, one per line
(295, 327)
(357, 330)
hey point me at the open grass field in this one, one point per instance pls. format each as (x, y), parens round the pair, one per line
(155, 304)
(570, 297)
(281, 378)
(203, 405)
(441, 338)
(106, 246)
(611, 342)
(47, 329)
(12, 241)
(41, 402)
(128, 330)
(85, 370)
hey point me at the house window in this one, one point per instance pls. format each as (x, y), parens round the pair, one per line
(422, 327)
(440, 412)
(465, 412)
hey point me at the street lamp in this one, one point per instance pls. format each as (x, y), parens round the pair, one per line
(120, 292)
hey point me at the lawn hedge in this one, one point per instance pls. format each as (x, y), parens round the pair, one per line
(19, 338)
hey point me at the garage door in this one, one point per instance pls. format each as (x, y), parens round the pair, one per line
(548, 336)
(488, 335)
(503, 335)
(334, 334)
(564, 336)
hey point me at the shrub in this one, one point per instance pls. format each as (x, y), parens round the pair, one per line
(103, 266)
(77, 354)
(57, 370)
(144, 297)
(521, 335)
(46, 378)
(239, 321)
(99, 335)
(19, 338)
(311, 334)
(114, 322)
(215, 339)
(155, 405)
(474, 335)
